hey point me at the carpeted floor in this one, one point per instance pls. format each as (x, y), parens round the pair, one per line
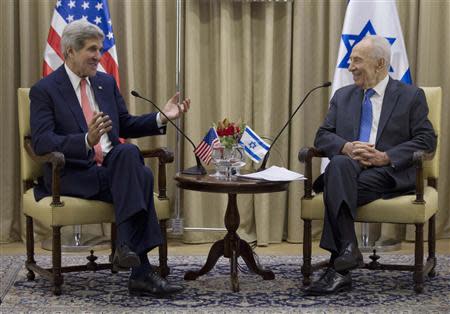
(102, 292)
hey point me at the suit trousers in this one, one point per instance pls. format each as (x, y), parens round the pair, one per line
(126, 182)
(348, 185)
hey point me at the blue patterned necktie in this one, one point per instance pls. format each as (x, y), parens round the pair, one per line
(366, 116)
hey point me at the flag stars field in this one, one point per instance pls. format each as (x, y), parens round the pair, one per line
(95, 12)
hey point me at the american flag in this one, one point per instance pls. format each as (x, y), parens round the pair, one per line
(94, 11)
(204, 149)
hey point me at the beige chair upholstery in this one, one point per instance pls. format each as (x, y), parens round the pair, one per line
(415, 209)
(57, 211)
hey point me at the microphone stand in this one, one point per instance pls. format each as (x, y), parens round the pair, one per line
(198, 169)
(266, 157)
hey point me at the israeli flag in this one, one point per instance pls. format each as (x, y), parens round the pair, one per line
(253, 145)
(364, 18)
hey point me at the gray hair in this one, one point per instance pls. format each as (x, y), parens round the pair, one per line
(381, 48)
(76, 33)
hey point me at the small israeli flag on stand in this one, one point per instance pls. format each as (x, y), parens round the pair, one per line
(254, 146)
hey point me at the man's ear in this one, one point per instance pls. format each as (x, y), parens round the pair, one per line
(381, 64)
(70, 51)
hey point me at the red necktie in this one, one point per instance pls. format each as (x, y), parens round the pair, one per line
(87, 111)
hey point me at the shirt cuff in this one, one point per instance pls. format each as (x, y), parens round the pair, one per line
(159, 123)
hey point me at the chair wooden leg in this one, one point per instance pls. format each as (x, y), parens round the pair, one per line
(30, 247)
(113, 245)
(307, 247)
(418, 275)
(432, 244)
(56, 260)
(164, 269)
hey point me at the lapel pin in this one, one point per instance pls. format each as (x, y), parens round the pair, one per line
(100, 87)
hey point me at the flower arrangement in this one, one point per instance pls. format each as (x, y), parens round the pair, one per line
(229, 132)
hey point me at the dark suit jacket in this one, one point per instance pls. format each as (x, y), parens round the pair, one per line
(58, 124)
(403, 127)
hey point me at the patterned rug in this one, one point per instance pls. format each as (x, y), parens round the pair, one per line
(103, 292)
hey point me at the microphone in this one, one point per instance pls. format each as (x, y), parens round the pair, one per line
(263, 165)
(195, 170)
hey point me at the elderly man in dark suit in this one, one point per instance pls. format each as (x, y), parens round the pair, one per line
(81, 113)
(370, 133)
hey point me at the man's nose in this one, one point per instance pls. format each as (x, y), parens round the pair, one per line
(351, 67)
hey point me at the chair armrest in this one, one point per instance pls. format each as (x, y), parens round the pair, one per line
(164, 156)
(57, 160)
(305, 155)
(418, 158)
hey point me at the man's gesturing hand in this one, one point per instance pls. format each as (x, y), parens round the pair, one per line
(173, 109)
(99, 125)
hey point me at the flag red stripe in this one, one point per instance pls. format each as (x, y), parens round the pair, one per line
(55, 42)
(206, 154)
(110, 66)
(200, 147)
(203, 152)
(46, 69)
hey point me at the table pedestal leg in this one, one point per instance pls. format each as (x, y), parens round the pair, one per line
(231, 247)
(246, 253)
(215, 252)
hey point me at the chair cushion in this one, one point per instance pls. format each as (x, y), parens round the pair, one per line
(396, 210)
(78, 211)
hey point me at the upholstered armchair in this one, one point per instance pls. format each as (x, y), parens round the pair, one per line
(415, 209)
(57, 211)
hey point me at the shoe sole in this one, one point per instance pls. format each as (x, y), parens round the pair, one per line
(320, 293)
(140, 293)
(347, 266)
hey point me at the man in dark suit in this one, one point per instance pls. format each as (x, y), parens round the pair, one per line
(370, 133)
(81, 113)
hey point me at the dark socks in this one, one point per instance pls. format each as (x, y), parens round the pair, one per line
(141, 270)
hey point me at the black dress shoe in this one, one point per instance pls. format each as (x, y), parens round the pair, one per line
(152, 284)
(124, 258)
(330, 282)
(349, 259)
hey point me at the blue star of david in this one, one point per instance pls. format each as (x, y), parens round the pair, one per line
(351, 40)
(252, 145)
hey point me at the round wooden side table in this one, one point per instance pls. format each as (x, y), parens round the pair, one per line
(231, 246)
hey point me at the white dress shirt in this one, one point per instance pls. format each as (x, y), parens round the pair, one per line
(377, 103)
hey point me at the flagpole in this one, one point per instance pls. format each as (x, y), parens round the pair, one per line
(177, 222)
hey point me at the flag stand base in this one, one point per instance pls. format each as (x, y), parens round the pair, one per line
(196, 170)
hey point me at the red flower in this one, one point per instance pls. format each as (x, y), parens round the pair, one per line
(229, 132)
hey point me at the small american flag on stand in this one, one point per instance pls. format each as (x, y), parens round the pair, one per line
(95, 12)
(204, 149)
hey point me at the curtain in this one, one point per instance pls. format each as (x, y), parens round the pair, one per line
(245, 60)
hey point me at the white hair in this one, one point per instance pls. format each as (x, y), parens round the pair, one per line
(76, 33)
(381, 48)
